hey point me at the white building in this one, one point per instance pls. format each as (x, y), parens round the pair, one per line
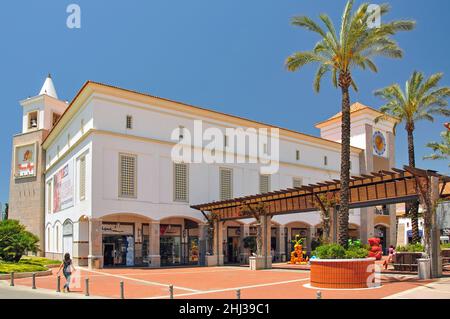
(111, 194)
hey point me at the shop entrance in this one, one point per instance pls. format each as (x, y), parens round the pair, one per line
(118, 244)
(233, 241)
(170, 245)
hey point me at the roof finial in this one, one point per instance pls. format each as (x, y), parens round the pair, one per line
(48, 88)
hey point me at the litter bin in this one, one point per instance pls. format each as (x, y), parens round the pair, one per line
(424, 268)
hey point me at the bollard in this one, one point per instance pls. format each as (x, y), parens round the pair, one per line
(86, 293)
(58, 284)
(171, 291)
(318, 294)
(12, 279)
(122, 294)
(238, 294)
(33, 282)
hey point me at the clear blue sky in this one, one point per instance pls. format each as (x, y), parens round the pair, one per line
(226, 55)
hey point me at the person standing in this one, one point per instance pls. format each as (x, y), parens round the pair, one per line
(67, 268)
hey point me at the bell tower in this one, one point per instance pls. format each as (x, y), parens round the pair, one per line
(378, 142)
(27, 184)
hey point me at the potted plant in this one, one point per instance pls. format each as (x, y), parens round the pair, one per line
(334, 266)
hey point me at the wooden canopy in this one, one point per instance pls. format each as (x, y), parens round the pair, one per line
(378, 188)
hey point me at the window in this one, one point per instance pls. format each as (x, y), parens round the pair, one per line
(265, 148)
(127, 175)
(264, 183)
(33, 120)
(225, 140)
(82, 182)
(325, 160)
(49, 197)
(297, 182)
(129, 122)
(181, 132)
(57, 238)
(48, 238)
(226, 183)
(181, 182)
(82, 126)
(55, 118)
(68, 139)
(57, 150)
(297, 155)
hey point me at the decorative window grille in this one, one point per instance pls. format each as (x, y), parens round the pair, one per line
(129, 122)
(82, 184)
(181, 182)
(226, 183)
(127, 175)
(264, 183)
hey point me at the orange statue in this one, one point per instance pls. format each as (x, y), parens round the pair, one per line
(298, 255)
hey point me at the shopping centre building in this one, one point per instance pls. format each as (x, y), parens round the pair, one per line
(96, 178)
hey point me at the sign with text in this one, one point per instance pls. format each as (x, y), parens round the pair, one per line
(26, 161)
(63, 188)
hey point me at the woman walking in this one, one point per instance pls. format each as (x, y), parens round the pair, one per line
(67, 268)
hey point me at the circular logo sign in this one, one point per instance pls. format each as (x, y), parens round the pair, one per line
(379, 143)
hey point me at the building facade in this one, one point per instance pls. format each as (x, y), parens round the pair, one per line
(96, 177)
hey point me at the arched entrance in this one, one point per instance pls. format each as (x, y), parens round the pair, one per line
(68, 237)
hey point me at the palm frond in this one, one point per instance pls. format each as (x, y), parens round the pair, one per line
(299, 59)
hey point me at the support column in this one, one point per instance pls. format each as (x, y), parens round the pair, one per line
(393, 225)
(281, 243)
(202, 243)
(154, 257)
(266, 236)
(218, 243)
(245, 252)
(436, 260)
(367, 228)
(95, 257)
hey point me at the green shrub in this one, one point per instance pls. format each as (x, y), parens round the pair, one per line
(250, 242)
(15, 241)
(445, 246)
(330, 251)
(411, 248)
(356, 252)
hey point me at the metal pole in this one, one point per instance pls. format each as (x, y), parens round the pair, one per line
(171, 291)
(12, 279)
(238, 294)
(58, 284)
(122, 294)
(33, 284)
(87, 287)
(318, 294)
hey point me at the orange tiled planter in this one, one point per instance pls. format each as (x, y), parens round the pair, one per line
(342, 273)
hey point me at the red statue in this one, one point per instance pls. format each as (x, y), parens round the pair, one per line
(375, 248)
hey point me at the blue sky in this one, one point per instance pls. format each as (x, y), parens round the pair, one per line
(226, 55)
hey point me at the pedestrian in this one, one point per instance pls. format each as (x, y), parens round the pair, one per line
(390, 258)
(67, 268)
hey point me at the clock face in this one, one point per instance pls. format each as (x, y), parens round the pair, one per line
(379, 143)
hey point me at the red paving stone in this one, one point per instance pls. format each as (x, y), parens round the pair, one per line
(198, 282)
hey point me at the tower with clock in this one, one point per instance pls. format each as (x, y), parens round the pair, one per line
(377, 141)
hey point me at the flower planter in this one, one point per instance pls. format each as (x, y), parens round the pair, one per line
(342, 273)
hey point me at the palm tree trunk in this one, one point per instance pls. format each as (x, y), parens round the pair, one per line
(344, 83)
(413, 210)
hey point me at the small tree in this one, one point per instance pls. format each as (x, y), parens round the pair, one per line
(257, 211)
(212, 218)
(324, 203)
(15, 241)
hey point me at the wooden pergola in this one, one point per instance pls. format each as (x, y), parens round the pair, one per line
(378, 188)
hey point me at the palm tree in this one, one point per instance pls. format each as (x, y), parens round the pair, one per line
(441, 150)
(419, 101)
(355, 46)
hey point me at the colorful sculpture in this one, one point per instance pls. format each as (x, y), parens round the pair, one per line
(298, 256)
(375, 248)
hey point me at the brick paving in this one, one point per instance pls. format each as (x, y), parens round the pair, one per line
(217, 282)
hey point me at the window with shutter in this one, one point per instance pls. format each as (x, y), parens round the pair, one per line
(226, 183)
(181, 182)
(264, 183)
(127, 175)
(129, 122)
(297, 182)
(82, 182)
